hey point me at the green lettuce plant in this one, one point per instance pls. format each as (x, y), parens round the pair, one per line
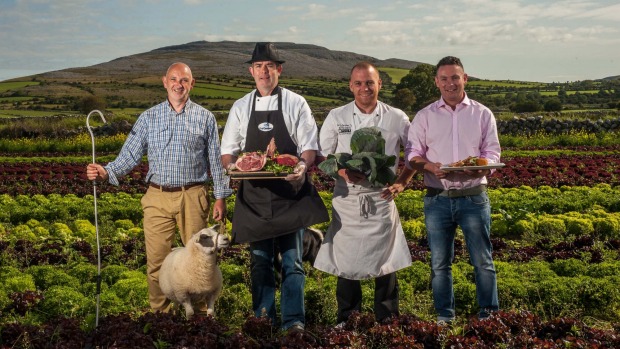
(367, 156)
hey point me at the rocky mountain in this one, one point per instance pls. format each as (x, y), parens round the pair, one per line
(227, 58)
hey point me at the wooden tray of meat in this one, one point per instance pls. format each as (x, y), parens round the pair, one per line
(252, 165)
(256, 175)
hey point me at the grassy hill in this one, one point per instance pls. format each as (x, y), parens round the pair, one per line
(131, 84)
(224, 58)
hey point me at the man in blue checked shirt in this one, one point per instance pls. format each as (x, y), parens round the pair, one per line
(181, 142)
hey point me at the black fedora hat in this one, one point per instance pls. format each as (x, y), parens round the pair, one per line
(265, 51)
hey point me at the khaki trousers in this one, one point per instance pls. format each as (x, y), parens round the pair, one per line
(163, 212)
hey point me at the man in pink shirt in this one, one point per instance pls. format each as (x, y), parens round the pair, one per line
(446, 131)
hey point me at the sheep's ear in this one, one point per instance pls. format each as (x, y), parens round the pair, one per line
(215, 227)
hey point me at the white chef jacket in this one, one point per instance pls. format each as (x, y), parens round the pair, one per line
(365, 238)
(341, 122)
(297, 116)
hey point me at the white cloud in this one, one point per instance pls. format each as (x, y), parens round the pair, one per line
(289, 8)
(607, 13)
(48, 35)
(547, 34)
(324, 13)
(229, 37)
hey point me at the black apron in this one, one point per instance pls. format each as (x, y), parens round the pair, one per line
(267, 208)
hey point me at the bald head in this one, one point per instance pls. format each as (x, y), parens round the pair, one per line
(179, 66)
(178, 82)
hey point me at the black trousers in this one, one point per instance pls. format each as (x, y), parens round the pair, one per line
(349, 297)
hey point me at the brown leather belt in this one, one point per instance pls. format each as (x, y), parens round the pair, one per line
(174, 189)
(456, 193)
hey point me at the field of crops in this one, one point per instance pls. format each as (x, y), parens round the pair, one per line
(556, 240)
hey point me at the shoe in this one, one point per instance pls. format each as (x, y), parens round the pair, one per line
(340, 325)
(295, 329)
(444, 323)
(485, 314)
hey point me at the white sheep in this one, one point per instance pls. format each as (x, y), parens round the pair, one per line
(189, 275)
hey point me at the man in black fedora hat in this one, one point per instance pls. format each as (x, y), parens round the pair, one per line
(274, 211)
(265, 51)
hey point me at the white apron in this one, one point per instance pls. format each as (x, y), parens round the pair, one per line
(371, 244)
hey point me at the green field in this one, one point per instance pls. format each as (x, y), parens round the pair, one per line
(15, 99)
(552, 93)
(30, 113)
(395, 73)
(215, 93)
(233, 87)
(9, 86)
(315, 83)
(505, 83)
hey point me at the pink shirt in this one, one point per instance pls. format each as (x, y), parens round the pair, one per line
(440, 134)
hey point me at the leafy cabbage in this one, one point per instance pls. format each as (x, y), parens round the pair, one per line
(368, 157)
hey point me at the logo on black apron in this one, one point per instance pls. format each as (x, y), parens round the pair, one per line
(265, 127)
(344, 129)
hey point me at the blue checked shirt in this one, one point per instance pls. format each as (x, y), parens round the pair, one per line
(180, 148)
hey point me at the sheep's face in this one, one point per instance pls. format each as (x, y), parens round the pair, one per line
(207, 237)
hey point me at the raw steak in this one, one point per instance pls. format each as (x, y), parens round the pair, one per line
(286, 159)
(252, 161)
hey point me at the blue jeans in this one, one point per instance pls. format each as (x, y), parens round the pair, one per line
(293, 279)
(473, 215)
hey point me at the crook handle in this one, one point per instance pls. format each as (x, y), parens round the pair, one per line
(92, 137)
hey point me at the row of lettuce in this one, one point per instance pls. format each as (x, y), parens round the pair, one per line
(567, 288)
(518, 213)
(36, 175)
(82, 143)
(48, 265)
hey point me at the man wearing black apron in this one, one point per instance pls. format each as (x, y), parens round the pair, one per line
(274, 211)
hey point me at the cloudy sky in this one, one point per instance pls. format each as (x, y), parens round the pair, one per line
(509, 39)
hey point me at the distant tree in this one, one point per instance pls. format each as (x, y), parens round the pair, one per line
(90, 103)
(533, 96)
(421, 82)
(526, 106)
(553, 104)
(386, 79)
(562, 95)
(403, 99)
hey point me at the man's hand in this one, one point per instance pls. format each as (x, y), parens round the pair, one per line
(392, 191)
(435, 168)
(228, 162)
(219, 210)
(96, 172)
(231, 167)
(299, 173)
(399, 185)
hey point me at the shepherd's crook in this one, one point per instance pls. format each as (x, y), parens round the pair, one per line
(92, 137)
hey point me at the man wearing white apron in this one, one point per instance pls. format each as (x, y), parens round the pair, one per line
(365, 238)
